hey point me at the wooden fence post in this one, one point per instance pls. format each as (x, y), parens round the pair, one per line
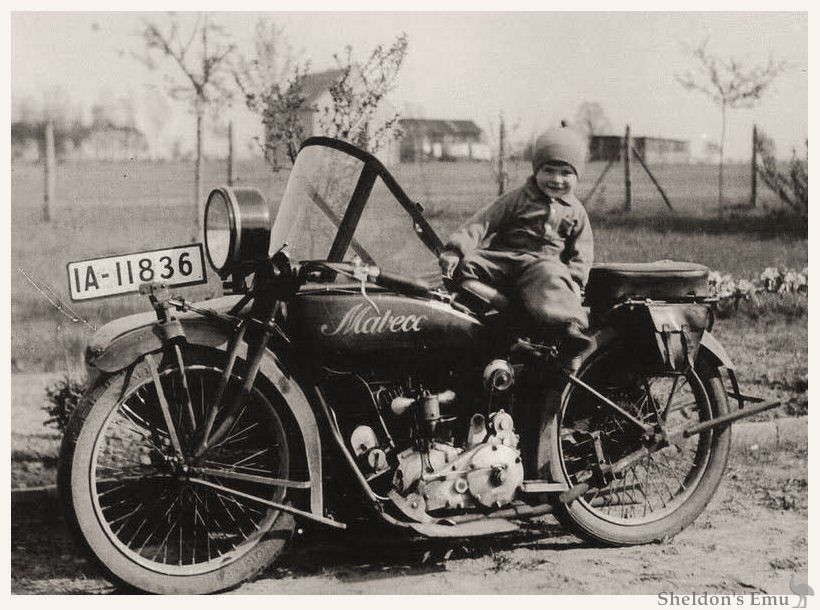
(502, 152)
(754, 166)
(230, 154)
(628, 169)
(50, 168)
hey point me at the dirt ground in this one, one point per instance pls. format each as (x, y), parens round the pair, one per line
(752, 537)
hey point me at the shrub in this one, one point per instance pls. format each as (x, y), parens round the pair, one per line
(62, 398)
(790, 183)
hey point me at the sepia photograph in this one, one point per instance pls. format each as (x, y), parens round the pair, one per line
(433, 302)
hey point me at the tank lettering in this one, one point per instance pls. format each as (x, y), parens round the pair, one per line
(357, 322)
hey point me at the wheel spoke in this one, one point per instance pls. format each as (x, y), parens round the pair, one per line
(183, 379)
(231, 516)
(155, 509)
(163, 403)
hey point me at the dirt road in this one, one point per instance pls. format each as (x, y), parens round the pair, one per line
(752, 538)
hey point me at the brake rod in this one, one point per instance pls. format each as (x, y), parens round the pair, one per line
(250, 478)
(283, 507)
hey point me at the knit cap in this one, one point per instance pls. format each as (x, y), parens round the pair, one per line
(560, 144)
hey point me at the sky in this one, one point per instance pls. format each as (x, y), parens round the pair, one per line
(535, 67)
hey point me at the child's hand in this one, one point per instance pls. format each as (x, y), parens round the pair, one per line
(448, 261)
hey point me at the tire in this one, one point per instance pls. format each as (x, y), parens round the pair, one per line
(665, 491)
(164, 524)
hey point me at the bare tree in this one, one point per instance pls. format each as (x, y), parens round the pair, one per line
(272, 83)
(200, 54)
(356, 95)
(729, 85)
(591, 119)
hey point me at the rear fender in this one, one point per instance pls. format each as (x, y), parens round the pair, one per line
(715, 354)
(714, 351)
(122, 342)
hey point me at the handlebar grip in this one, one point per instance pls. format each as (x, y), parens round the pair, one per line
(401, 283)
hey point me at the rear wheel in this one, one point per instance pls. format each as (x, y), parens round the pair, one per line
(158, 516)
(659, 488)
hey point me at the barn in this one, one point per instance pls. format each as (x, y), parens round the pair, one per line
(440, 139)
(652, 150)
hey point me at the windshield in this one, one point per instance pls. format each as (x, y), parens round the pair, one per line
(341, 202)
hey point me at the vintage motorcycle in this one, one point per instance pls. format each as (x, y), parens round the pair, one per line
(325, 388)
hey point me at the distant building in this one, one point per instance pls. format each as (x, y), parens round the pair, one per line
(107, 142)
(651, 150)
(99, 142)
(316, 89)
(439, 139)
(704, 150)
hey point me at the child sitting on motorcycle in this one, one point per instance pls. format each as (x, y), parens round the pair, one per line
(535, 242)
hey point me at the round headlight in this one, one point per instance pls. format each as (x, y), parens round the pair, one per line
(237, 228)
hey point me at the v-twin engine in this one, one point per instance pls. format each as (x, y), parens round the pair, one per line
(486, 472)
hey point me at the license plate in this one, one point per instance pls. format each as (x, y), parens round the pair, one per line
(115, 275)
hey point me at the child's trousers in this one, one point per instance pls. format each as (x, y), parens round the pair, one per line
(544, 286)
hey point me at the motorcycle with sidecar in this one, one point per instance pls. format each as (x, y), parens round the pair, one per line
(341, 381)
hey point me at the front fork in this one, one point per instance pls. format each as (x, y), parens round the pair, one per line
(173, 336)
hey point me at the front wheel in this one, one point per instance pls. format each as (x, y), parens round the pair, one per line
(658, 488)
(157, 514)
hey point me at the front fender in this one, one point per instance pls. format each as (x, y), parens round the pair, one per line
(122, 342)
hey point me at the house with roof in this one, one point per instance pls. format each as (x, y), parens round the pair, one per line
(441, 140)
(651, 149)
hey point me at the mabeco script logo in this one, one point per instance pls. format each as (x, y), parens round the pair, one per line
(357, 322)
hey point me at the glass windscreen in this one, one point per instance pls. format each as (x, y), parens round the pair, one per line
(321, 185)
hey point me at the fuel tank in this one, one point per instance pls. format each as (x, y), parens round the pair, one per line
(340, 327)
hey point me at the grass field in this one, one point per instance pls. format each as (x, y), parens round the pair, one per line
(110, 208)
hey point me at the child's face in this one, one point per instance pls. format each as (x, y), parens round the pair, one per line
(556, 179)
